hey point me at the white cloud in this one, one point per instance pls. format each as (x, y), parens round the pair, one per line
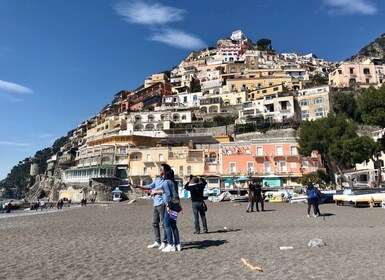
(148, 13)
(10, 143)
(15, 88)
(178, 38)
(12, 91)
(349, 7)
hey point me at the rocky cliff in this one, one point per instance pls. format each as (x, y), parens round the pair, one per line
(375, 49)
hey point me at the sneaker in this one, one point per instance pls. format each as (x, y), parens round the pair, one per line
(205, 231)
(154, 245)
(169, 248)
(162, 246)
(178, 247)
(196, 232)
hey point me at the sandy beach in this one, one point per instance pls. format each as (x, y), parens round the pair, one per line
(109, 241)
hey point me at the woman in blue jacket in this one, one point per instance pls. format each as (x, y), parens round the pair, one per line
(171, 199)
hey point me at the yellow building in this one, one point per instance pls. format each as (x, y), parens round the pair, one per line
(144, 163)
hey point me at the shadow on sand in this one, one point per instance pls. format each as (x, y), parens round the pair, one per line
(202, 244)
(327, 214)
(226, 230)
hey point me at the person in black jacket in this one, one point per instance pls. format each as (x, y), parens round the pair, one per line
(196, 186)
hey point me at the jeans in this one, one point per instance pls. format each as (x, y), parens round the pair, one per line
(250, 205)
(310, 202)
(170, 226)
(157, 218)
(259, 199)
(198, 210)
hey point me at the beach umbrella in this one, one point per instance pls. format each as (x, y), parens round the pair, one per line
(228, 181)
(240, 179)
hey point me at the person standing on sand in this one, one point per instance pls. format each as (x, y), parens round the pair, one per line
(258, 194)
(311, 199)
(158, 209)
(318, 201)
(250, 196)
(196, 186)
(171, 199)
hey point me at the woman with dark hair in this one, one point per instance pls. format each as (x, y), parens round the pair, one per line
(311, 199)
(171, 199)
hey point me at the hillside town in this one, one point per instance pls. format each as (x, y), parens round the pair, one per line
(166, 119)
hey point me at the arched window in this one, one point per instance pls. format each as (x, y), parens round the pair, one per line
(150, 127)
(151, 118)
(138, 118)
(212, 157)
(319, 100)
(304, 102)
(176, 117)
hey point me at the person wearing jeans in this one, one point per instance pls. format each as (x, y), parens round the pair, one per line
(158, 210)
(171, 200)
(196, 187)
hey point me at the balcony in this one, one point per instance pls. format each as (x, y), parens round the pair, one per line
(194, 159)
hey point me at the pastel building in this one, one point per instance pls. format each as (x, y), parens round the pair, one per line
(365, 74)
(275, 161)
(313, 103)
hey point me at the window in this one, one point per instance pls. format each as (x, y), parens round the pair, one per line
(264, 91)
(304, 102)
(266, 166)
(144, 170)
(283, 166)
(233, 167)
(160, 157)
(233, 88)
(275, 89)
(304, 114)
(339, 71)
(293, 150)
(250, 166)
(212, 157)
(366, 71)
(244, 87)
(185, 99)
(195, 98)
(279, 150)
(189, 169)
(320, 112)
(315, 163)
(351, 70)
(305, 164)
(293, 165)
(319, 100)
(259, 151)
(148, 157)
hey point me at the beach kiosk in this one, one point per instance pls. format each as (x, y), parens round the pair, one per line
(117, 194)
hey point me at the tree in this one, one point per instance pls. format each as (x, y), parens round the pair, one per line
(345, 103)
(264, 45)
(318, 177)
(372, 106)
(336, 139)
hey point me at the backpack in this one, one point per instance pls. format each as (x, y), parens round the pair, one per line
(313, 193)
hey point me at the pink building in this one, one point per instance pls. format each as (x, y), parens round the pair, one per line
(275, 162)
(365, 74)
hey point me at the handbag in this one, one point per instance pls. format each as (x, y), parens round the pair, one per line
(204, 206)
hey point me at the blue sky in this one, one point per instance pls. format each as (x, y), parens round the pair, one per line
(62, 61)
